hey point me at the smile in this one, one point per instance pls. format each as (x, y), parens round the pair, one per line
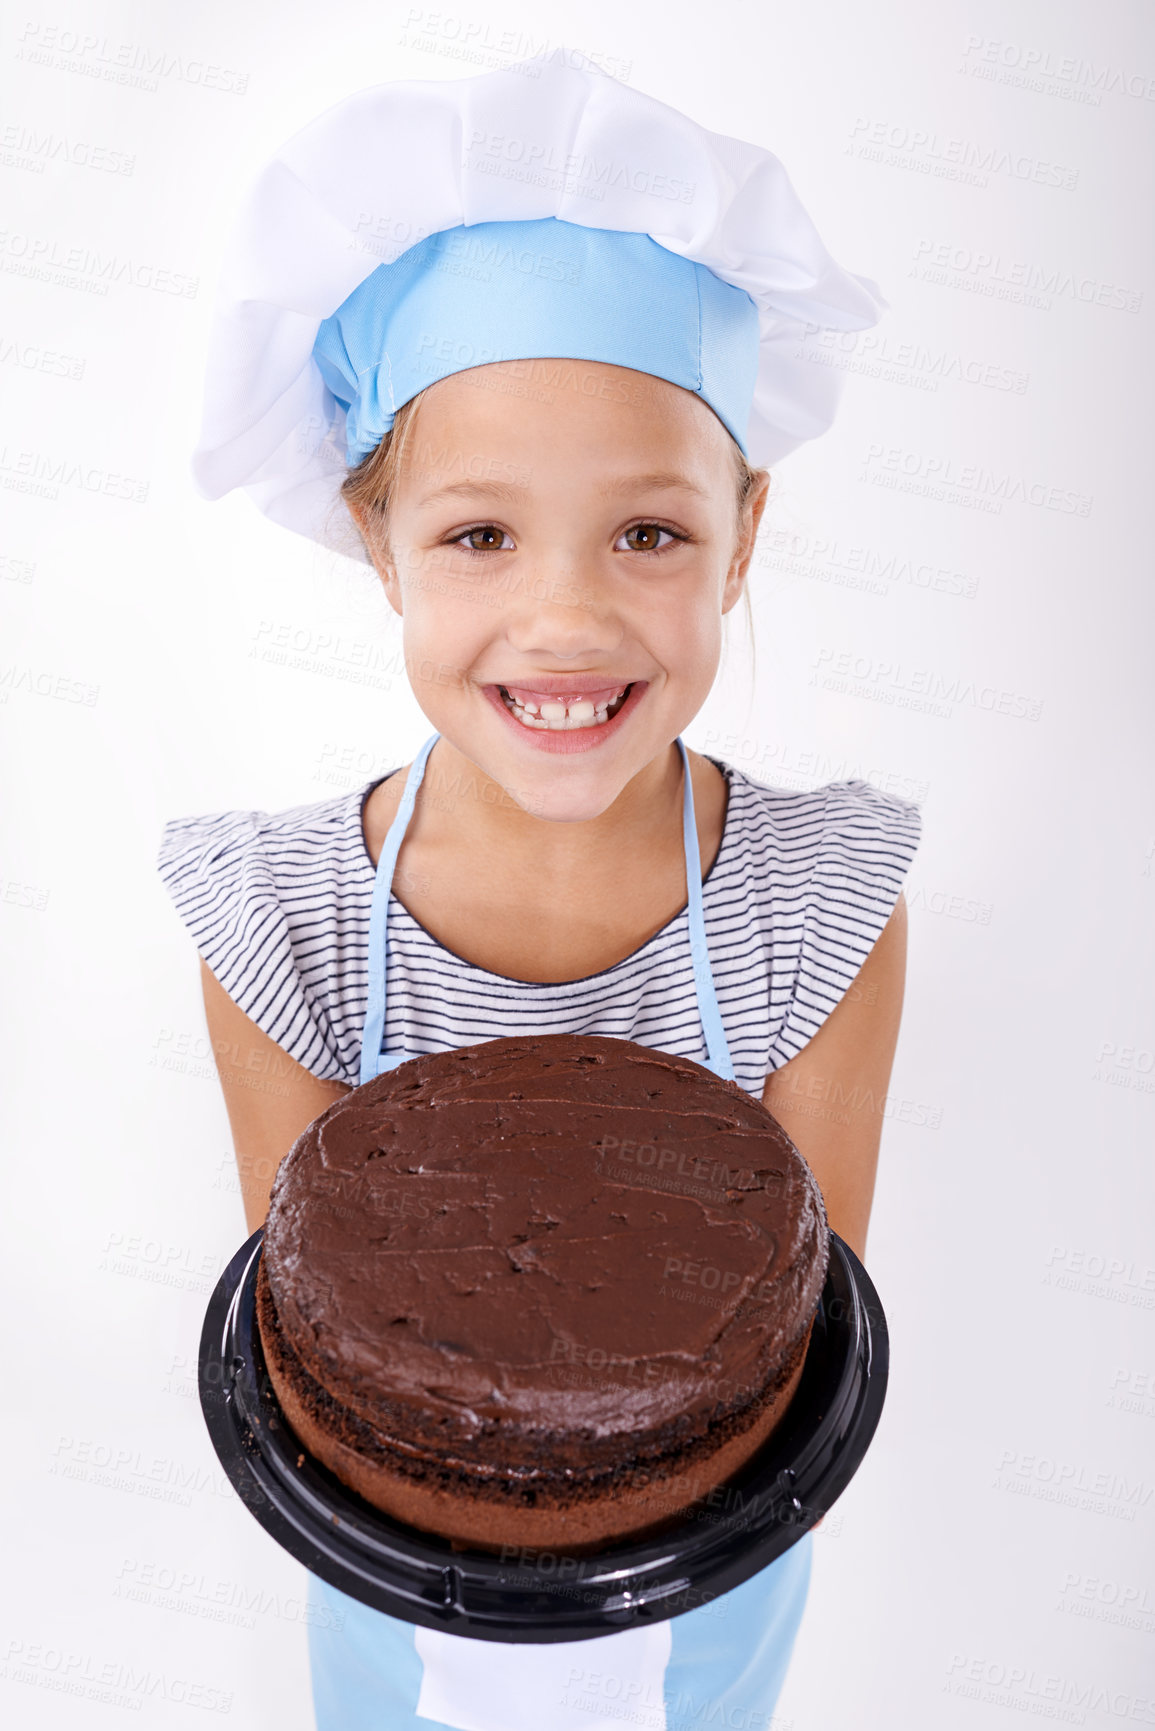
(564, 714)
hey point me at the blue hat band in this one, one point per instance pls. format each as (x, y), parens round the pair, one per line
(536, 290)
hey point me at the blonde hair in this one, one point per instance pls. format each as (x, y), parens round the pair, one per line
(368, 488)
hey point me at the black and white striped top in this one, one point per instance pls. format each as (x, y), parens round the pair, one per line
(803, 883)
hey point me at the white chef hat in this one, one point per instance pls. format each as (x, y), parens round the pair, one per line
(374, 256)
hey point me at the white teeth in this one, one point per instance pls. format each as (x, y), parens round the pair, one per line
(561, 717)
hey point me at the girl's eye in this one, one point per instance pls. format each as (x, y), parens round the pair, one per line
(486, 538)
(643, 538)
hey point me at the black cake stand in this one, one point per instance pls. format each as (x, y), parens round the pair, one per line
(788, 1485)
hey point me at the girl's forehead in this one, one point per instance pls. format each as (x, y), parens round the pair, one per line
(576, 407)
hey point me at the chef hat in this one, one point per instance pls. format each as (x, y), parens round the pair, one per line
(424, 227)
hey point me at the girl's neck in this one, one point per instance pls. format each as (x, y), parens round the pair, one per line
(459, 806)
(544, 901)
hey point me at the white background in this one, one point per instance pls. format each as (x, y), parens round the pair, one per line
(1001, 1528)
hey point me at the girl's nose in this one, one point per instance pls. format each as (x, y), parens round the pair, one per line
(558, 612)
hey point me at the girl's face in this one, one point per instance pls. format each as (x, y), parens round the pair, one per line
(562, 544)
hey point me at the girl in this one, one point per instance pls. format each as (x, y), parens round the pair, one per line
(542, 430)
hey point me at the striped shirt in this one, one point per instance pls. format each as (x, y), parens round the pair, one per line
(802, 885)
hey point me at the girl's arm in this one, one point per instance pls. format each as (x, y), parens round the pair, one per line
(829, 1098)
(270, 1098)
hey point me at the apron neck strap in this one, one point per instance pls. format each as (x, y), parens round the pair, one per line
(374, 1029)
(718, 1050)
(374, 1061)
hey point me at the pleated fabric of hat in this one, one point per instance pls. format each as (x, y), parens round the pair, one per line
(421, 228)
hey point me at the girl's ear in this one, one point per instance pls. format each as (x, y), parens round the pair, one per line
(751, 517)
(377, 547)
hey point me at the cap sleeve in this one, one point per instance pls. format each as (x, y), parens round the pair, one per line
(862, 852)
(222, 882)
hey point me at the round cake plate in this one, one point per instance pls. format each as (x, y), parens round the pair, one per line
(535, 1595)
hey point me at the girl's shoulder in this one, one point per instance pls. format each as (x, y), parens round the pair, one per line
(209, 843)
(865, 827)
(819, 871)
(277, 904)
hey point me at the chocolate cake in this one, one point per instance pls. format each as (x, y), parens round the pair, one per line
(540, 1291)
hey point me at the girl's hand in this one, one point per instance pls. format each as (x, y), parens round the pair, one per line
(829, 1098)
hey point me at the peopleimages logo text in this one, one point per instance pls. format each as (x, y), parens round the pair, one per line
(1069, 69)
(855, 670)
(1010, 275)
(929, 150)
(998, 486)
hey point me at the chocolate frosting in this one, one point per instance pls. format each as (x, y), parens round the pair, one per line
(489, 1251)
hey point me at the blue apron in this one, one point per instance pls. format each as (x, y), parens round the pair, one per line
(721, 1664)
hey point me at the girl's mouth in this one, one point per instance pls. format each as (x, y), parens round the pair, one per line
(570, 723)
(564, 714)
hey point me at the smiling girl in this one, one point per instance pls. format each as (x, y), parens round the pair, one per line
(548, 463)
